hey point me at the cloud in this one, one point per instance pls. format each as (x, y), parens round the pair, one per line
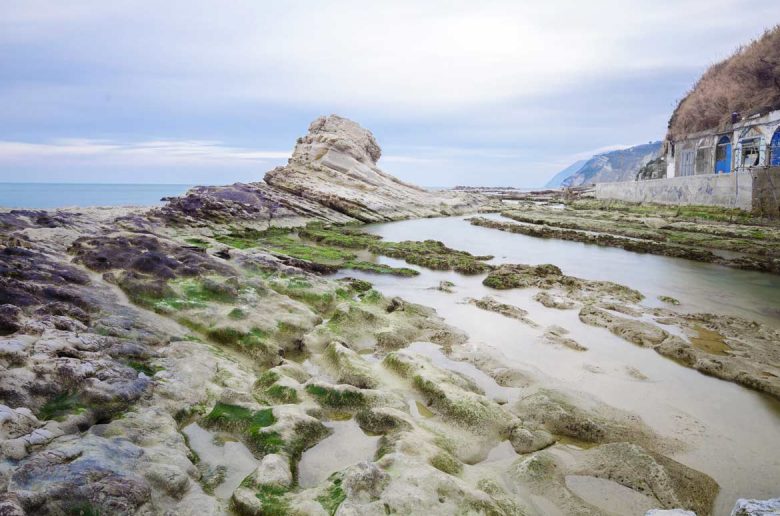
(398, 57)
(147, 153)
(593, 152)
(492, 91)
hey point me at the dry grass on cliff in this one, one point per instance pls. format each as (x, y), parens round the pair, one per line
(746, 82)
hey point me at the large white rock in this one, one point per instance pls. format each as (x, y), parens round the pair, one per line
(335, 164)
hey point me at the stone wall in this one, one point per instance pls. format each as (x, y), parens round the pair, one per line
(727, 190)
(766, 192)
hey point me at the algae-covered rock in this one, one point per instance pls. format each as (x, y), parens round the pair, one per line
(673, 484)
(562, 414)
(453, 396)
(528, 441)
(349, 366)
(274, 470)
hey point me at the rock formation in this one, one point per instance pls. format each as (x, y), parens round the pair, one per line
(333, 176)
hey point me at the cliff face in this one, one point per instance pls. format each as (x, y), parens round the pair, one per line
(558, 178)
(332, 175)
(747, 82)
(620, 165)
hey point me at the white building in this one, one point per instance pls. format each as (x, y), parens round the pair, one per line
(752, 142)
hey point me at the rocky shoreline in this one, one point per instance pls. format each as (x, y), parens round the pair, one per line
(119, 328)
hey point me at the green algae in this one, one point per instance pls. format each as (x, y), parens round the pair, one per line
(332, 245)
(267, 379)
(282, 394)
(249, 423)
(198, 242)
(273, 501)
(60, 406)
(445, 462)
(237, 314)
(333, 398)
(143, 367)
(333, 496)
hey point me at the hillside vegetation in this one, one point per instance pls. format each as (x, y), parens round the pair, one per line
(747, 82)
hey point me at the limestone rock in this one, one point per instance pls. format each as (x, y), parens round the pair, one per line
(745, 507)
(335, 165)
(274, 470)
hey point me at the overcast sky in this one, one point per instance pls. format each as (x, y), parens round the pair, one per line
(455, 92)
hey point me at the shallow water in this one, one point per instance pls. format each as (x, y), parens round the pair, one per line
(347, 445)
(236, 458)
(731, 432)
(700, 287)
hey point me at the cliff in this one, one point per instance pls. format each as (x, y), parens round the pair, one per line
(619, 165)
(558, 178)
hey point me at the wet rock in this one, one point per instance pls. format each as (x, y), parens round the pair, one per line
(9, 319)
(79, 474)
(274, 470)
(507, 310)
(671, 483)
(350, 367)
(561, 414)
(557, 335)
(638, 332)
(446, 286)
(554, 301)
(364, 482)
(746, 507)
(10, 505)
(528, 441)
(383, 420)
(455, 397)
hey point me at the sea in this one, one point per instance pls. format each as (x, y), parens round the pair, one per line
(62, 195)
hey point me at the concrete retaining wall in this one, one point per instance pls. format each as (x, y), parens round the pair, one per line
(726, 190)
(766, 192)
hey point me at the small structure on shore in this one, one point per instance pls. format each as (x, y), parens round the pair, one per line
(745, 144)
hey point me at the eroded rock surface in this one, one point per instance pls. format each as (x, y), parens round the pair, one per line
(121, 332)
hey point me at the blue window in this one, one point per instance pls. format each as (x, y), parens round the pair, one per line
(723, 155)
(774, 149)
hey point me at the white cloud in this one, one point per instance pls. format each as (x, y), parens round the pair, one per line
(399, 57)
(587, 154)
(147, 153)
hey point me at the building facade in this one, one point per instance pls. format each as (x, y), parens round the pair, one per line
(749, 143)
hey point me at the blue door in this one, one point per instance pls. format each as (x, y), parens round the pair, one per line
(723, 156)
(774, 149)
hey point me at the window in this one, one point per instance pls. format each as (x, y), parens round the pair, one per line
(686, 163)
(750, 152)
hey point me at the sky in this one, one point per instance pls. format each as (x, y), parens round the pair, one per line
(456, 93)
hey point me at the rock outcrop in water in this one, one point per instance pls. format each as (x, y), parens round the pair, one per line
(332, 176)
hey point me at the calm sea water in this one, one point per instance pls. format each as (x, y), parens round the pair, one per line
(59, 195)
